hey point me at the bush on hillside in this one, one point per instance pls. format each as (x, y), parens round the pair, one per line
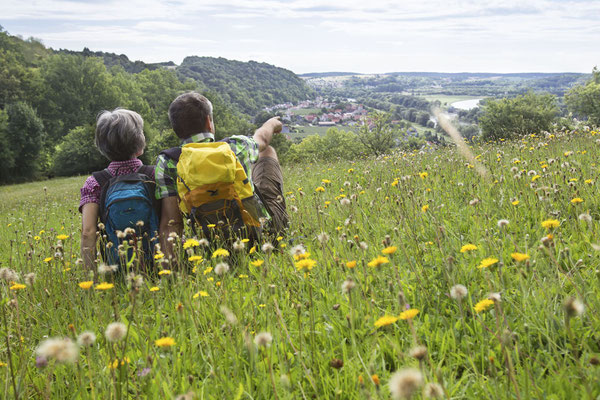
(519, 116)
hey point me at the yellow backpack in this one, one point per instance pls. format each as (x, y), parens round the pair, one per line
(215, 191)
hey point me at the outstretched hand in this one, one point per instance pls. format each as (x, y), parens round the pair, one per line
(274, 124)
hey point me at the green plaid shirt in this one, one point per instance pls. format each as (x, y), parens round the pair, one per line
(244, 147)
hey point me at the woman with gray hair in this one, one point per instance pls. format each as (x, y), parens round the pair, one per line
(120, 138)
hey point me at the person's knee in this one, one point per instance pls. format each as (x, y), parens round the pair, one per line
(268, 152)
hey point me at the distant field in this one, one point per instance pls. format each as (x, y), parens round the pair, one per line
(306, 111)
(304, 131)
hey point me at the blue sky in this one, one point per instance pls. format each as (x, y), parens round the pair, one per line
(369, 36)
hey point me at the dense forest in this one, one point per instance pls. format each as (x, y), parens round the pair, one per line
(49, 101)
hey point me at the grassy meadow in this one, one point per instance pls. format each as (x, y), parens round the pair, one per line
(471, 285)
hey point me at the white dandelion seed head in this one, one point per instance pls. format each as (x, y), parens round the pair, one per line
(203, 242)
(115, 331)
(293, 209)
(238, 245)
(63, 350)
(502, 223)
(323, 237)
(229, 315)
(347, 286)
(514, 170)
(8, 275)
(405, 382)
(495, 297)
(129, 231)
(531, 172)
(221, 268)
(344, 201)
(458, 292)
(474, 202)
(574, 307)
(135, 281)
(585, 217)
(121, 235)
(267, 248)
(363, 246)
(107, 269)
(86, 339)
(418, 352)
(433, 390)
(263, 339)
(297, 250)
(30, 278)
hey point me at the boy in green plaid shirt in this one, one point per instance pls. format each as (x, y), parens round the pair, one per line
(191, 118)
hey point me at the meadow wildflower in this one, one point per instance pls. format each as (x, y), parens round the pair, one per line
(468, 247)
(363, 246)
(423, 175)
(297, 250)
(201, 293)
(86, 339)
(154, 289)
(62, 237)
(425, 208)
(487, 262)
(405, 382)
(18, 286)
(191, 243)
(47, 259)
(344, 201)
(86, 284)
(257, 263)
(164, 272)
(483, 305)
(238, 245)
(351, 264)
(220, 253)
(267, 248)
(203, 242)
(573, 307)
(221, 268)
(323, 237)
(63, 350)
(550, 223)
(576, 200)
(115, 331)
(196, 259)
(159, 255)
(519, 257)
(495, 297)
(409, 314)
(433, 390)
(106, 269)
(263, 339)
(377, 261)
(104, 286)
(585, 217)
(320, 189)
(458, 292)
(502, 223)
(305, 263)
(135, 281)
(515, 202)
(389, 250)
(164, 342)
(385, 320)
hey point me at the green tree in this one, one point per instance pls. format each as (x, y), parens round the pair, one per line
(77, 154)
(21, 136)
(377, 134)
(519, 116)
(584, 100)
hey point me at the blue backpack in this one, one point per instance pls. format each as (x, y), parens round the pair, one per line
(125, 201)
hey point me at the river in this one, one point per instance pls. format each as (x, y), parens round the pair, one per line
(466, 104)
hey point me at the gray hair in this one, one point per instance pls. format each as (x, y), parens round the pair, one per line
(120, 134)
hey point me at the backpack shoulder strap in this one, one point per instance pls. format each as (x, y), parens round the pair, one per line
(146, 170)
(103, 178)
(173, 153)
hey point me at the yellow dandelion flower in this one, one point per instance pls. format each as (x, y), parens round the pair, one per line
(36, 238)
(47, 259)
(325, 181)
(104, 286)
(423, 175)
(588, 181)
(468, 247)
(207, 270)
(195, 259)
(483, 305)
(306, 263)
(519, 256)
(252, 250)
(302, 256)
(425, 208)
(385, 320)
(551, 223)
(211, 225)
(86, 284)
(158, 256)
(535, 178)
(154, 289)
(220, 253)
(165, 342)
(377, 261)
(320, 189)
(257, 263)
(487, 262)
(351, 264)
(515, 202)
(18, 286)
(201, 293)
(389, 250)
(62, 237)
(577, 200)
(409, 314)
(191, 243)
